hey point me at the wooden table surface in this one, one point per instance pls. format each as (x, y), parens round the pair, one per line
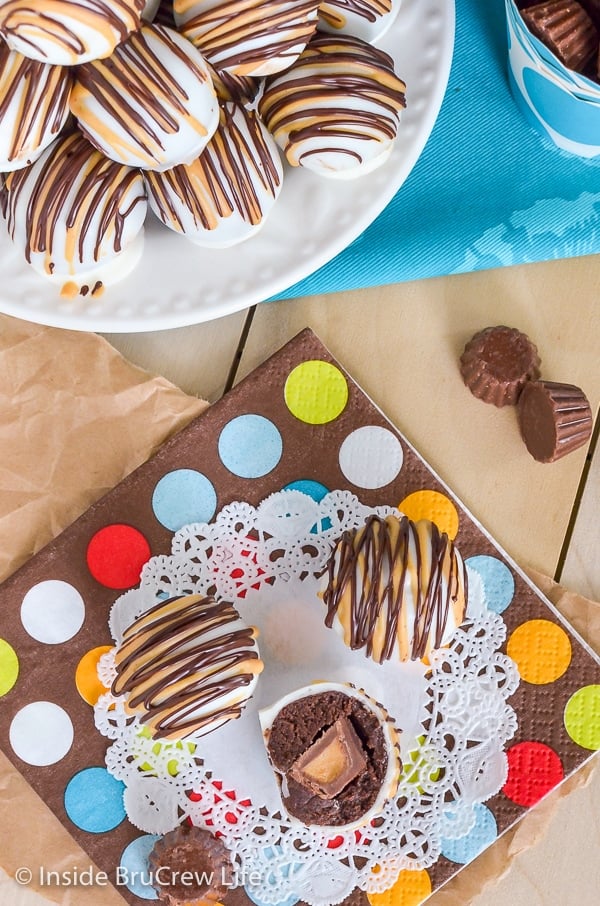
(402, 344)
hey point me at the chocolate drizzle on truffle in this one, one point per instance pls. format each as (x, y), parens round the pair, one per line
(334, 12)
(245, 36)
(65, 26)
(395, 583)
(187, 666)
(33, 103)
(128, 104)
(340, 95)
(79, 190)
(238, 171)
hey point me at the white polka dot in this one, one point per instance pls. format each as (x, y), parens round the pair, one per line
(41, 733)
(52, 612)
(371, 457)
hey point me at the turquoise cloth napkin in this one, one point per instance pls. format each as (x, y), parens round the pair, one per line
(487, 190)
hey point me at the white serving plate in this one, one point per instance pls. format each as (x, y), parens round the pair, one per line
(178, 284)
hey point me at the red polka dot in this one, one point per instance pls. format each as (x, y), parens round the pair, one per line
(533, 770)
(116, 554)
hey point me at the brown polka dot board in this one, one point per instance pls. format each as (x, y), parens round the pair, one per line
(298, 422)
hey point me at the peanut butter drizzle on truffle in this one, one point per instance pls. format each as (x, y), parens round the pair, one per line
(240, 34)
(374, 569)
(43, 93)
(45, 22)
(186, 664)
(340, 90)
(334, 12)
(223, 179)
(96, 206)
(136, 91)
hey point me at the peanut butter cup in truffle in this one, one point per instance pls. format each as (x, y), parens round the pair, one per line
(555, 419)
(334, 751)
(496, 364)
(191, 866)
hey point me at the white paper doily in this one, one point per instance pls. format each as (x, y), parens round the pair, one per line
(454, 715)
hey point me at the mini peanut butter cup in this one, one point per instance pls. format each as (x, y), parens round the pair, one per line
(496, 364)
(190, 867)
(566, 29)
(555, 419)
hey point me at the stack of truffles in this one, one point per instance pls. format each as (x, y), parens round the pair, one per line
(108, 107)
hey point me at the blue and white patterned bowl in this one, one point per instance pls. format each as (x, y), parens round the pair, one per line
(561, 104)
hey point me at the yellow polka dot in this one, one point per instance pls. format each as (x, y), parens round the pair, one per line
(434, 506)
(316, 392)
(409, 889)
(86, 676)
(9, 667)
(582, 717)
(541, 651)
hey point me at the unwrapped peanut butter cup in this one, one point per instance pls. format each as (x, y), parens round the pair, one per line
(554, 419)
(566, 29)
(496, 364)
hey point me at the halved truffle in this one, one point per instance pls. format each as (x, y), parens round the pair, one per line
(335, 754)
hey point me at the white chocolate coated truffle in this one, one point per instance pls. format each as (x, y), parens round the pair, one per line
(77, 215)
(68, 32)
(151, 105)
(34, 107)
(336, 111)
(248, 37)
(366, 19)
(225, 195)
(187, 666)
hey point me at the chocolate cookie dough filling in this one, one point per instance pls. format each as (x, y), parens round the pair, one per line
(335, 754)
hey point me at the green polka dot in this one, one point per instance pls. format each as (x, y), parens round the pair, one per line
(9, 667)
(582, 717)
(316, 392)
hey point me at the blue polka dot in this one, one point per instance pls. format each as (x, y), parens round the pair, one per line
(271, 853)
(316, 491)
(133, 871)
(182, 497)
(307, 486)
(497, 579)
(482, 834)
(94, 800)
(250, 446)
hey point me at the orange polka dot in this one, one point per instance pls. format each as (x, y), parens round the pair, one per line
(541, 651)
(409, 889)
(434, 506)
(86, 676)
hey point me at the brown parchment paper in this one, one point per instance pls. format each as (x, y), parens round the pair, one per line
(75, 418)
